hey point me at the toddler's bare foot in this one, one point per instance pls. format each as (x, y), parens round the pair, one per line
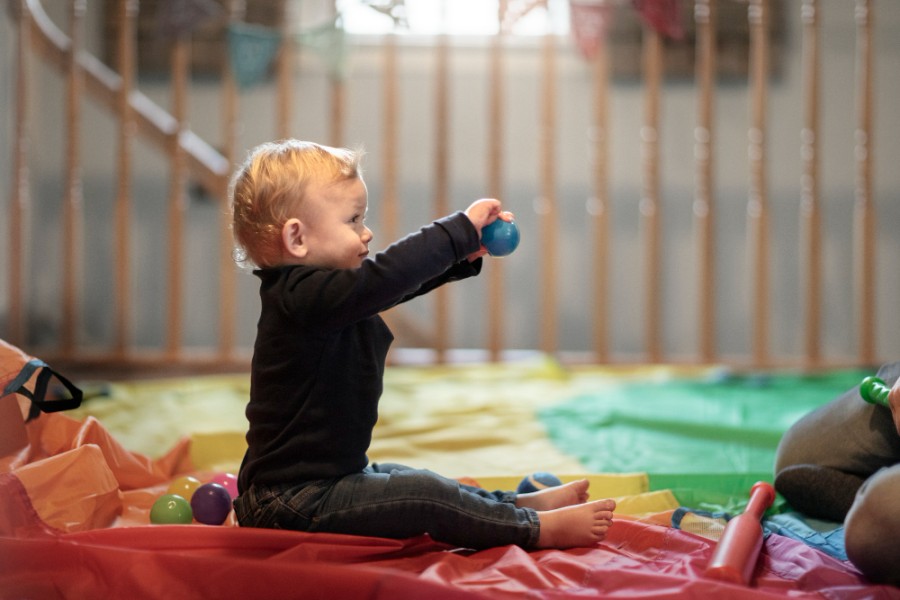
(577, 525)
(567, 494)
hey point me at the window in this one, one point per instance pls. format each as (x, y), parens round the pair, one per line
(453, 17)
(470, 21)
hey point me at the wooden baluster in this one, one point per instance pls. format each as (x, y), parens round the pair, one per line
(496, 121)
(757, 207)
(72, 216)
(230, 126)
(599, 208)
(19, 197)
(705, 12)
(181, 53)
(284, 65)
(650, 196)
(390, 219)
(390, 225)
(810, 213)
(548, 209)
(864, 203)
(442, 180)
(125, 46)
(338, 104)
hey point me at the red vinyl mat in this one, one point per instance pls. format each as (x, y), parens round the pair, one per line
(73, 524)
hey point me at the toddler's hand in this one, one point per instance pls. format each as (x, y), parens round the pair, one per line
(482, 213)
(894, 401)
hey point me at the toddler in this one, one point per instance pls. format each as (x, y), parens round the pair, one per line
(299, 212)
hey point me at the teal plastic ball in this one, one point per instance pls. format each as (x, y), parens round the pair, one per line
(500, 238)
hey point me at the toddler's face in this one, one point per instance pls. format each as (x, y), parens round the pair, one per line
(334, 217)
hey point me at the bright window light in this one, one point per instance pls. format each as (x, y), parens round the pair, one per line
(453, 17)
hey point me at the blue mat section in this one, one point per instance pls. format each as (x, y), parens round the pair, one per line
(823, 535)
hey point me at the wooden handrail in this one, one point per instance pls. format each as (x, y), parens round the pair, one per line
(205, 164)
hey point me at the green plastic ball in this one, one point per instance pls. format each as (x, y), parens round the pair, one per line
(171, 509)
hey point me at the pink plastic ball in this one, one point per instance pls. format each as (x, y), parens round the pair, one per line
(211, 504)
(227, 481)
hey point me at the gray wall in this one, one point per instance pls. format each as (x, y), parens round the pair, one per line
(469, 143)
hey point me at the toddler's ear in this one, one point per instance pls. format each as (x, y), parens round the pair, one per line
(293, 239)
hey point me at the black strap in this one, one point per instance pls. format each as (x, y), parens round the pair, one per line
(38, 397)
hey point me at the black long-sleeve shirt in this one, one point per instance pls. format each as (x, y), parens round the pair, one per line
(320, 351)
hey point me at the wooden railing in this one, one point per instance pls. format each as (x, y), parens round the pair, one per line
(193, 159)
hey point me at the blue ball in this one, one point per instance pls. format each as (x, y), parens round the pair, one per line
(537, 481)
(500, 237)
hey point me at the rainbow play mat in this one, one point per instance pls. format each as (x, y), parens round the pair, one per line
(678, 448)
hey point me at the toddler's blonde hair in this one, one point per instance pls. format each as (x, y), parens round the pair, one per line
(269, 188)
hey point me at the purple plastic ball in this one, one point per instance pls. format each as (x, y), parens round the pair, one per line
(211, 504)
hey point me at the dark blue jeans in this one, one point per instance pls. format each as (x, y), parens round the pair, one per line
(393, 501)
